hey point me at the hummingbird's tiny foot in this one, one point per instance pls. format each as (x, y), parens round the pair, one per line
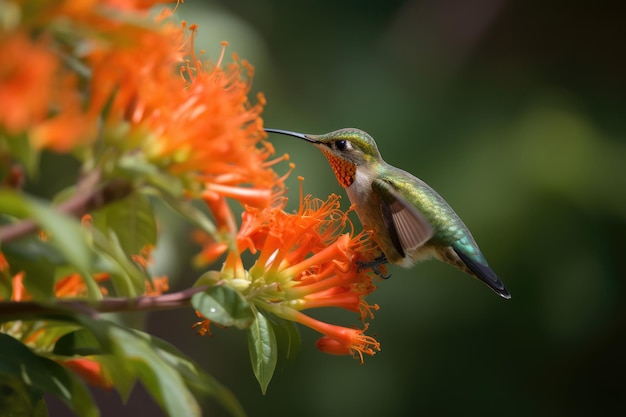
(380, 274)
(374, 265)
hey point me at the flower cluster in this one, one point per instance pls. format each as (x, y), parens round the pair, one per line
(46, 50)
(305, 260)
(79, 71)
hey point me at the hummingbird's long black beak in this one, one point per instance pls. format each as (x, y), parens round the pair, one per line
(294, 134)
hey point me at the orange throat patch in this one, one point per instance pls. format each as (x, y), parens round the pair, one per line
(344, 171)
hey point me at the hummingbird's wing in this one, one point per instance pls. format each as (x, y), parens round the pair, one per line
(408, 228)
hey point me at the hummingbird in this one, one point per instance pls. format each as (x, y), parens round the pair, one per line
(410, 220)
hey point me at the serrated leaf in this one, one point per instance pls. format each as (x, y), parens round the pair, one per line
(44, 375)
(262, 347)
(132, 220)
(224, 305)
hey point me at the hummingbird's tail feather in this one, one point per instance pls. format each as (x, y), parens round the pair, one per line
(485, 274)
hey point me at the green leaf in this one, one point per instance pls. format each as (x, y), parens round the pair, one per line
(50, 333)
(41, 375)
(80, 342)
(262, 347)
(66, 234)
(20, 149)
(188, 211)
(38, 260)
(287, 336)
(123, 376)
(224, 305)
(134, 167)
(195, 378)
(140, 359)
(128, 278)
(132, 220)
(128, 355)
(19, 400)
(83, 342)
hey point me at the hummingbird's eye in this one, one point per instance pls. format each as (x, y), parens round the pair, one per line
(341, 145)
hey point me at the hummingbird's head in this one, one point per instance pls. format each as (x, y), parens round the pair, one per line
(346, 150)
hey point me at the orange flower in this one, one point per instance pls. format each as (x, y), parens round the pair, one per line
(197, 124)
(40, 93)
(89, 370)
(4, 265)
(73, 285)
(210, 129)
(63, 132)
(27, 73)
(158, 286)
(133, 73)
(19, 292)
(149, 87)
(130, 5)
(306, 260)
(340, 340)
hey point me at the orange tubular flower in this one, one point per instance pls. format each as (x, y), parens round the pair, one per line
(40, 92)
(197, 124)
(73, 285)
(134, 5)
(89, 370)
(31, 82)
(306, 260)
(216, 133)
(26, 77)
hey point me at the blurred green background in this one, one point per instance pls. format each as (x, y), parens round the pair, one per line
(515, 112)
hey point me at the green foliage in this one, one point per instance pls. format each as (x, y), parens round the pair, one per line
(263, 350)
(287, 336)
(170, 378)
(225, 306)
(126, 355)
(68, 244)
(30, 375)
(17, 399)
(19, 148)
(38, 260)
(120, 230)
(131, 220)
